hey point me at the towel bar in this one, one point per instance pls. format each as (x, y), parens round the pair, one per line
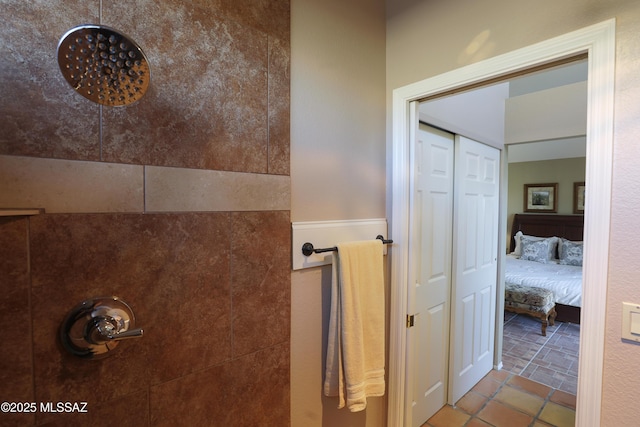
(308, 249)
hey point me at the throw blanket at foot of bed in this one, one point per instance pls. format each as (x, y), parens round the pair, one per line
(531, 300)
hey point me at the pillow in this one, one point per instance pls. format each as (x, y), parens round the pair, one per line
(560, 242)
(571, 252)
(517, 249)
(553, 244)
(535, 250)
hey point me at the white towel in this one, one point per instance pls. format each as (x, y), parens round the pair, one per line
(355, 348)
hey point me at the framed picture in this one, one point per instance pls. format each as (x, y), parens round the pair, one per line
(541, 197)
(578, 197)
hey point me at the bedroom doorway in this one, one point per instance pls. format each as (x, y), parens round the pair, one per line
(542, 118)
(559, 158)
(596, 41)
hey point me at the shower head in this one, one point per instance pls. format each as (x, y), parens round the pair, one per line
(103, 65)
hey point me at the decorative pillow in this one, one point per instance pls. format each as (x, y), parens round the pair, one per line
(571, 253)
(553, 244)
(560, 243)
(535, 250)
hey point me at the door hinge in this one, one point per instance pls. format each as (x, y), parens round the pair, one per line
(410, 320)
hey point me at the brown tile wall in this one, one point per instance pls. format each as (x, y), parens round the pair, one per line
(219, 94)
(211, 289)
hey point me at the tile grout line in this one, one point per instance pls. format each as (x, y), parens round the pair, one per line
(568, 378)
(484, 405)
(535, 417)
(546, 400)
(539, 350)
(493, 396)
(505, 383)
(565, 372)
(509, 321)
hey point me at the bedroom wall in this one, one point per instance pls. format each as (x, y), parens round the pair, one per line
(563, 171)
(337, 172)
(475, 31)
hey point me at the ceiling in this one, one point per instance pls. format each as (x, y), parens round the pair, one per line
(480, 113)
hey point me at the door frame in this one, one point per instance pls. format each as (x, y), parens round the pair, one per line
(598, 42)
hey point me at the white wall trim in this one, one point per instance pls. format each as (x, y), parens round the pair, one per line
(327, 234)
(599, 42)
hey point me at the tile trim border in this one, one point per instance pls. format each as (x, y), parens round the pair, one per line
(196, 190)
(71, 186)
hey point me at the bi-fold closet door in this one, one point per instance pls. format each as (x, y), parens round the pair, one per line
(453, 268)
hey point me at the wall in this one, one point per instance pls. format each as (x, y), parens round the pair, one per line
(476, 31)
(563, 171)
(337, 172)
(179, 204)
(337, 121)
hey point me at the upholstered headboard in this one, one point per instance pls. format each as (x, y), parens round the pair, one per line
(570, 227)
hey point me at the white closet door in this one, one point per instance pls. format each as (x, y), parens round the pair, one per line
(431, 246)
(474, 264)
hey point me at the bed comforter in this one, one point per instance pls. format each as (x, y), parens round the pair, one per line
(564, 280)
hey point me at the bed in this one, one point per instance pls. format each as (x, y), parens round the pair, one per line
(564, 280)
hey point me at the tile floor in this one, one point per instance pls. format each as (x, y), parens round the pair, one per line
(550, 360)
(536, 386)
(503, 399)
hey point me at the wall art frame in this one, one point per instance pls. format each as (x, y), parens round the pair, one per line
(578, 197)
(541, 197)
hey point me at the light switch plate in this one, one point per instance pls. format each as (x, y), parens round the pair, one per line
(630, 321)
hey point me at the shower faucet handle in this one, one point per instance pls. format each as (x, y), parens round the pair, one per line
(106, 328)
(133, 333)
(93, 328)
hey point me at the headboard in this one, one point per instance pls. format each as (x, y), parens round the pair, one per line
(570, 227)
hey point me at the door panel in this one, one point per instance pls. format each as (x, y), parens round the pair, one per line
(454, 269)
(429, 297)
(468, 318)
(475, 237)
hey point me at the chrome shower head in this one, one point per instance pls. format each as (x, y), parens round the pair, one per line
(103, 65)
